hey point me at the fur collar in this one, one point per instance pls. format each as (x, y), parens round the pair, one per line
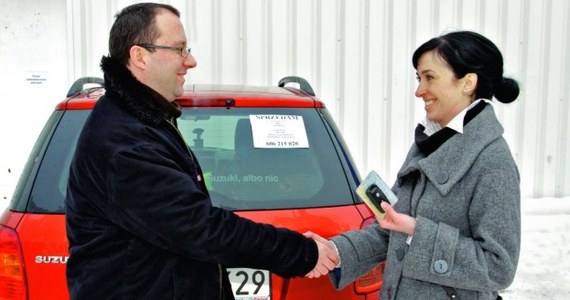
(140, 100)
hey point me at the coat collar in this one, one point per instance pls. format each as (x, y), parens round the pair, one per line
(447, 165)
(137, 98)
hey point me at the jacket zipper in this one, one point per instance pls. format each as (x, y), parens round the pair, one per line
(221, 282)
(220, 271)
(181, 140)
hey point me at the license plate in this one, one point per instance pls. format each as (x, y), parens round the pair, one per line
(250, 284)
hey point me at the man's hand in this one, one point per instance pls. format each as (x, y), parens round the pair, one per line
(328, 257)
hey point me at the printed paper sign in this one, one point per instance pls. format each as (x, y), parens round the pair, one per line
(278, 131)
(36, 78)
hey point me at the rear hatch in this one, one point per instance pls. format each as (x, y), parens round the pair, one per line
(331, 221)
(44, 251)
(304, 185)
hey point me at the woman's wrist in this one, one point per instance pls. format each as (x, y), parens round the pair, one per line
(412, 227)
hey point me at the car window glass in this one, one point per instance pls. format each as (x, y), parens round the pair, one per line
(241, 176)
(238, 176)
(51, 183)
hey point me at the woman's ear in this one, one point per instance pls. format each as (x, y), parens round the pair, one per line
(470, 83)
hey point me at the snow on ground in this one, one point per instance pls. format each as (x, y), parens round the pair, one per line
(544, 265)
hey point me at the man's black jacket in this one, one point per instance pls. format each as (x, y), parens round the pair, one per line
(139, 220)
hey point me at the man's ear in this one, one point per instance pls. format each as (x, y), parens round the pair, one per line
(137, 57)
(470, 83)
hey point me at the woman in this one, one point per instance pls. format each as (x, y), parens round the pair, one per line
(455, 231)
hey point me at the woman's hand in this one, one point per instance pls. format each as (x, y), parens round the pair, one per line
(394, 220)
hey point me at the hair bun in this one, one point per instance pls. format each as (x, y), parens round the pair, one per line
(507, 91)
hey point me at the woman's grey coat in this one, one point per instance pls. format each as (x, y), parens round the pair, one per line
(466, 200)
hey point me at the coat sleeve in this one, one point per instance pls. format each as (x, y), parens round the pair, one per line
(487, 259)
(167, 208)
(360, 251)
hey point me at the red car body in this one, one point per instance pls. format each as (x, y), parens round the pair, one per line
(33, 244)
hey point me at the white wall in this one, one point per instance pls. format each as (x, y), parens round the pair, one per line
(357, 56)
(33, 77)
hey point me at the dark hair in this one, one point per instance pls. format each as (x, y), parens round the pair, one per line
(470, 52)
(135, 24)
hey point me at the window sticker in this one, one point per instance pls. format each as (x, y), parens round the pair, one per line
(278, 131)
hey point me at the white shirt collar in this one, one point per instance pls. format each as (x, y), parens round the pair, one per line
(456, 123)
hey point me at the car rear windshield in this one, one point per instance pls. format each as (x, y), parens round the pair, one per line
(251, 158)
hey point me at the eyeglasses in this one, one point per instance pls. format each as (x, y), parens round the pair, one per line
(182, 51)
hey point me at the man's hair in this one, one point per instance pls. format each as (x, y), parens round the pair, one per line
(135, 24)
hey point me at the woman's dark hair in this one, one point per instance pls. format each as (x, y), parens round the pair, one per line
(135, 24)
(470, 52)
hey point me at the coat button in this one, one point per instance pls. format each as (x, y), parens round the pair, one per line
(440, 266)
(442, 177)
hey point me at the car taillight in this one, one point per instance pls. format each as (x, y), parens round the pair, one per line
(371, 281)
(12, 276)
(206, 102)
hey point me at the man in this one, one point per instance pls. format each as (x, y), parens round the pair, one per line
(139, 219)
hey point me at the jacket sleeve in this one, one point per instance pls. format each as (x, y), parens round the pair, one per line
(487, 259)
(360, 251)
(167, 208)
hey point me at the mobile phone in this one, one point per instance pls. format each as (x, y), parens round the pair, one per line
(376, 195)
(373, 190)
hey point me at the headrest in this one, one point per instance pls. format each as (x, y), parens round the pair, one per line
(243, 139)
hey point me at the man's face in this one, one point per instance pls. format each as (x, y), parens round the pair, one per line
(165, 69)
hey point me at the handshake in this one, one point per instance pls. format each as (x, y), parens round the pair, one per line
(328, 253)
(328, 256)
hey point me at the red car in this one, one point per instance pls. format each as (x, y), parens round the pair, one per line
(272, 154)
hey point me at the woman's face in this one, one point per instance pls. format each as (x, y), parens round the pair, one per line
(443, 94)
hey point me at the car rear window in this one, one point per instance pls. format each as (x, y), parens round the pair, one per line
(296, 166)
(293, 162)
(50, 184)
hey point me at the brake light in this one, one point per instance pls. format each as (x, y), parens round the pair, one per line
(207, 102)
(371, 281)
(12, 276)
